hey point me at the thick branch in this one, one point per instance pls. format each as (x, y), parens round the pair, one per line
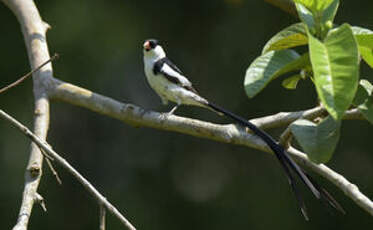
(137, 116)
(34, 30)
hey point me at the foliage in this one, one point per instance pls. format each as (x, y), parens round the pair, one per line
(318, 140)
(332, 63)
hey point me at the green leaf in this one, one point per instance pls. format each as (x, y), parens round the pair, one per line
(317, 140)
(367, 109)
(360, 96)
(364, 38)
(364, 90)
(367, 86)
(318, 15)
(363, 99)
(291, 82)
(315, 5)
(306, 16)
(270, 65)
(367, 55)
(360, 31)
(329, 13)
(294, 35)
(335, 64)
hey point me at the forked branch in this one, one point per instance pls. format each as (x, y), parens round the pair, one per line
(101, 200)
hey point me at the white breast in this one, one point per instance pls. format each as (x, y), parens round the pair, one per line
(169, 91)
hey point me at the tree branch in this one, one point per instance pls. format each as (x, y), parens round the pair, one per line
(57, 158)
(45, 86)
(351, 190)
(102, 217)
(29, 74)
(137, 116)
(229, 133)
(283, 119)
(34, 29)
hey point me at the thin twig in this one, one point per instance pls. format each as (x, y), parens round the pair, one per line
(45, 154)
(29, 74)
(40, 200)
(53, 170)
(57, 158)
(286, 137)
(102, 217)
(285, 118)
(49, 160)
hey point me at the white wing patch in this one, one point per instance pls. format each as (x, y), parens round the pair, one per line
(182, 81)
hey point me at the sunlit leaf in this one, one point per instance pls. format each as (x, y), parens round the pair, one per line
(364, 38)
(306, 16)
(367, 55)
(291, 82)
(294, 35)
(318, 15)
(360, 31)
(335, 66)
(315, 5)
(329, 12)
(367, 86)
(269, 66)
(317, 140)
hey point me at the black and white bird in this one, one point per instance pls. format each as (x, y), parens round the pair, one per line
(171, 85)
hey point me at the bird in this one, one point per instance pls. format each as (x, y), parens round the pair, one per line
(169, 82)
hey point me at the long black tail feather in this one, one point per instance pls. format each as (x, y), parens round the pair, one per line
(294, 188)
(287, 163)
(327, 198)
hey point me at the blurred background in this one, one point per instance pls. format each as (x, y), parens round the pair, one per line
(159, 179)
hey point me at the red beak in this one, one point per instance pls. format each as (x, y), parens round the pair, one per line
(147, 46)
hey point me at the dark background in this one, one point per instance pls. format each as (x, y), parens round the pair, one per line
(158, 179)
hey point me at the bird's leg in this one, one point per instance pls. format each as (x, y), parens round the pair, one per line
(173, 110)
(178, 103)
